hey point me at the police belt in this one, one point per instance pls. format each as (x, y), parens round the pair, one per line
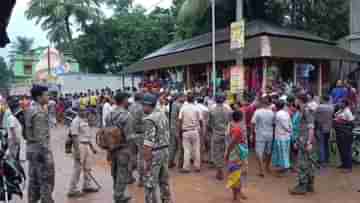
(85, 143)
(159, 148)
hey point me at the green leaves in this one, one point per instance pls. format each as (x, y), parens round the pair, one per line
(5, 74)
(125, 38)
(60, 16)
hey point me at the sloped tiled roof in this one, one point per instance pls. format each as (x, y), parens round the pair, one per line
(253, 29)
(262, 40)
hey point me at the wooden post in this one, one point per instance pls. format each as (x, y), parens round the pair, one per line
(265, 69)
(123, 81)
(295, 73)
(320, 85)
(188, 79)
(208, 75)
(132, 80)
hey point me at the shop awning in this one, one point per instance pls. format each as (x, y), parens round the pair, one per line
(262, 40)
(5, 13)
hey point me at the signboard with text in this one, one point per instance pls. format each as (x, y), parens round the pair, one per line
(237, 35)
(237, 80)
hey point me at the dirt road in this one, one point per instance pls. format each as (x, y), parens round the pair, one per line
(331, 186)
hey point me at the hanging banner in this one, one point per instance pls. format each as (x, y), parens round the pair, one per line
(237, 35)
(237, 80)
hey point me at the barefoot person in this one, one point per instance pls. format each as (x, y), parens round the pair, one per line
(218, 121)
(236, 156)
(281, 144)
(263, 121)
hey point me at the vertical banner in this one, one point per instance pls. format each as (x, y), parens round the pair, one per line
(237, 79)
(237, 35)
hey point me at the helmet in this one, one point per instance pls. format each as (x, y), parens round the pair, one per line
(220, 97)
(149, 99)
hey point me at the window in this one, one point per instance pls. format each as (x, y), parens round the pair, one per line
(28, 69)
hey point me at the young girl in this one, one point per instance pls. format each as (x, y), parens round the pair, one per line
(236, 156)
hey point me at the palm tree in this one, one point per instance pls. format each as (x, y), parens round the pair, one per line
(60, 16)
(22, 46)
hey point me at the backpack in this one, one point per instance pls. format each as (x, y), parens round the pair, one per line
(110, 138)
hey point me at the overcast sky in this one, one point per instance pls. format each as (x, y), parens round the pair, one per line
(20, 26)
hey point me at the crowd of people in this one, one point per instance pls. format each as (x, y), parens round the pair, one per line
(288, 130)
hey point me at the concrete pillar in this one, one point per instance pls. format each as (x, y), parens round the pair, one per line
(320, 80)
(265, 70)
(188, 79)
(354, 38)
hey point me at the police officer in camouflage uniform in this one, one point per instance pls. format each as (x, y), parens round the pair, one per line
(219, 119)
(137, 112)
(120, 158)
(305, 144)
(174, 130)
(39, 154)
(156, 152)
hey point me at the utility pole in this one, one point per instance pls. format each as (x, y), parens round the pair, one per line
(239, 16)
(49, 66)
(213, 46)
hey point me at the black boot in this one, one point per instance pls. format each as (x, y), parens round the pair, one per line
(300, 189)
(310, 186)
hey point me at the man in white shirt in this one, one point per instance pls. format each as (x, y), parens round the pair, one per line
(82, 154)
(107, 108)
(263, 124)
(191, 128)
(205, 139)
(14, 131)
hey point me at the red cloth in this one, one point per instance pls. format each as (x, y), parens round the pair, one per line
(237, 133)
(248, 111)
(60, 107)
(352, 96)
(291, 111)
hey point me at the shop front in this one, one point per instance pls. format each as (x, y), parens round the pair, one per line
(273, 57)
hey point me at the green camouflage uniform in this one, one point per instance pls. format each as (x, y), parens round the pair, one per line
(219, 119)
(39, 154)
(157, 137)
(120, 158)
(174, 131)
(137, 112)
(306, 159)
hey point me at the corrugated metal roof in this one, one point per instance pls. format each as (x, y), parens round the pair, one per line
(262, 40)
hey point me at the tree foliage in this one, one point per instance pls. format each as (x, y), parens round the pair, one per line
(124, 39)
(326, 18)
(61, 17)
(108, 44)
(22, 46)
(5, 74)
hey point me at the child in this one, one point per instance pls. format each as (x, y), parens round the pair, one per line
(236, 156)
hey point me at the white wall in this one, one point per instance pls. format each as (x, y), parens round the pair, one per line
(80, 83)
